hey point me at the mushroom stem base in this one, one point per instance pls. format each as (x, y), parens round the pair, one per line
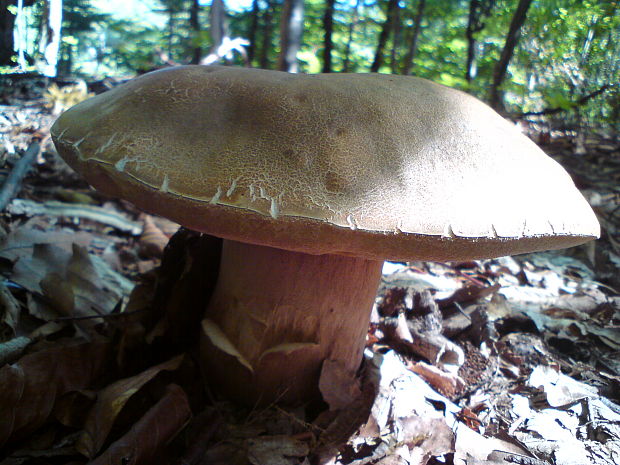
(275, 316)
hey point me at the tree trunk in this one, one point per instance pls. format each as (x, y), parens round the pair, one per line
(471, 41)
(171, 25)
(291, 28)
(217, 20)
(499, 73)
(396, 40)
(267, 34)
(352, 24)
(50, 34)
(194, 23)
(21, 35)
(383, 37)
(478, 10)
(328, 28)
(7, 24)
(252, 31)
(413, 39)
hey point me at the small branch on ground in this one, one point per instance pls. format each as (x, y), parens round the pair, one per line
(13, 182)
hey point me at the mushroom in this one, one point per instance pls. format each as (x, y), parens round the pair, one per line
(313, 181)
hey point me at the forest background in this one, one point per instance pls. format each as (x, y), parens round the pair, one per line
(558, 59)
(515, 324)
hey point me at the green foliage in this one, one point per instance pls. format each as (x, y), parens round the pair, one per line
(568, 48)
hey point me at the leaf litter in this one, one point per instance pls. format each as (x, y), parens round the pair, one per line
(513, 360)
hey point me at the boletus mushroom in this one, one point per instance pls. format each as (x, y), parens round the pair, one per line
(313, 181)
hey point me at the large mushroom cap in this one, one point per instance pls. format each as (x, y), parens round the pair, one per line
(380, 166)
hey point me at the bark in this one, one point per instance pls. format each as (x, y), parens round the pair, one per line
(383, 36)
(217, 20)
(328, 28)
(7, 24)
(352, 24)
(396, 40)
(413, 39)
(478, 11)
(194, 24)
(171, 26)
(512, 38)
(50, 35)
(252, 31)
(267, 34)
(291, 28)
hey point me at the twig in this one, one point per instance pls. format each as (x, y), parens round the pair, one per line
(102, 316)
(13, 182)
(91, 212)
(581, 101)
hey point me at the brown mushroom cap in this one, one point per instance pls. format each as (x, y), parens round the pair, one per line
(378, 166)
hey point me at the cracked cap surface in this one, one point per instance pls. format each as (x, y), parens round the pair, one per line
(380, 166)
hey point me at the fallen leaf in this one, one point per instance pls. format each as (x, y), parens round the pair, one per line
(560, 389)
(74, 284)
(430, 436)
(20, 242)
(276, 450)
(110, 402)
(445, 383)
(339, 387)
(146, 441)
(9, 313)
(30, 388)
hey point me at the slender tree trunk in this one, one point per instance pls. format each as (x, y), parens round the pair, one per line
(252, 31)
(478, 10)
(396, 40)
(21, 35)
(352, 24)
(501, 67)
(50, 34)
(328, 28)
(383, 36)
(413, 39)
(7, 24)
(171, 25)
(194, 23)
(217, 20)
(267, 34)
(291, 28)
(471, 41)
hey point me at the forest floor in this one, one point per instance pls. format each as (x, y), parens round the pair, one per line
(511, 360)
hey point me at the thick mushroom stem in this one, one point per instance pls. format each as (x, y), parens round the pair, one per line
(275, 316)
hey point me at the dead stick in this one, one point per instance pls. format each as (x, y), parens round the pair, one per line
(13, 182)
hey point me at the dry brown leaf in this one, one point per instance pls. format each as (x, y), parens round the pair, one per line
(145, 442)
(467, 294)
(338, 386)
(276, 450)
(30, 388)
(429, 437)
(20, 242)
(69, 281)
(445, 383)
(9, 313)
(109, 404)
